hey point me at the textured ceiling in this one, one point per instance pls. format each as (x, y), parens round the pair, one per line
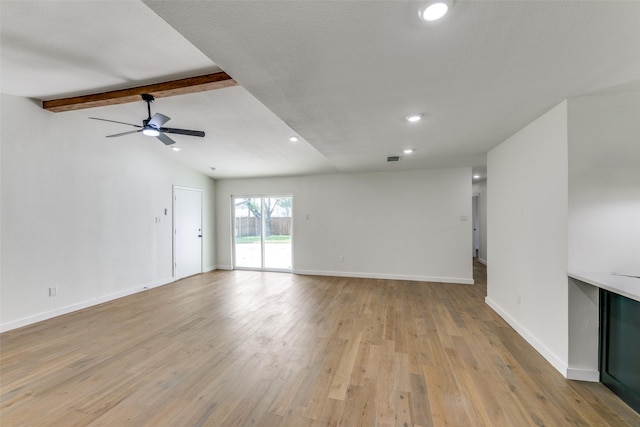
(345, 74)
(62, 48)
(341, 74)
(243, 138)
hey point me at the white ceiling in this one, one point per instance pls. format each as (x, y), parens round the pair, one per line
(341, 74)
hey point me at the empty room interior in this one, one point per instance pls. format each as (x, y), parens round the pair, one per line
(319, 213)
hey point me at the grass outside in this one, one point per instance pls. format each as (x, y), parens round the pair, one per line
(269, 239)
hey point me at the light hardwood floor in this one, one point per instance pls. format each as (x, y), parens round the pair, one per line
(273, 349)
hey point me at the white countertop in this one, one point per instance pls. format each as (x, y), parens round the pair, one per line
(622, 285)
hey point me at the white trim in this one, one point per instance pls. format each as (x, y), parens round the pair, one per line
(224, 267)
(267, 270)
(482, 261)
(81, 305)
(232, 233)
(208, 268)
(583, 375)
(554, 360)
(385, 276)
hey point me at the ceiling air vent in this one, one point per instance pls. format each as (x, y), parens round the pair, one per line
(393, 158)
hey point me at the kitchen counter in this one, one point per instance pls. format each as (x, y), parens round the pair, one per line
(622, 285)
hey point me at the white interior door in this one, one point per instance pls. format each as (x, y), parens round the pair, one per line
(187, 232)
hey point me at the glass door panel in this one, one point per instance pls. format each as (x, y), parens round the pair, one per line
(248, 232)
(277, 232)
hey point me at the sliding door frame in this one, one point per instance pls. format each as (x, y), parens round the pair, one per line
(262, 231)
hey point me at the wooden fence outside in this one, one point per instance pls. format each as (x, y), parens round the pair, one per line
(250, 226)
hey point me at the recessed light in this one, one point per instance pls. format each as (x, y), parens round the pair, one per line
(408, 151)
(175, 148)
(293, 139)
(476, 176)
(434, 11)
(414, 118)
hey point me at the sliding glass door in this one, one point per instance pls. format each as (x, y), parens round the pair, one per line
(248, 232)
(262, 232)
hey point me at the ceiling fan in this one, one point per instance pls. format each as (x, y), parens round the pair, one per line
(152, 126)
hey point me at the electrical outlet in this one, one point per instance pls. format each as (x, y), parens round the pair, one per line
(53, 291)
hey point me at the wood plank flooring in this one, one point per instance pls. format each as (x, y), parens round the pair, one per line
(239, 348)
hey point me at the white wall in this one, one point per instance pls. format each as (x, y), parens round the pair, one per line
(79, 212)
(480, 189)
(527, 233)
(603, 208)
(404, 225)
(604, 183)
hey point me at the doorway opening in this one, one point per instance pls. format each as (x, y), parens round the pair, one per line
(476, 226)
(263, 232)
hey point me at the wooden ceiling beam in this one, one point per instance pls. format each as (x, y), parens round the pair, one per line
(175, 87)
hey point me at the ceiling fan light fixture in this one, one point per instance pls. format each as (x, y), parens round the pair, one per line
(434, 11)
(151, 132)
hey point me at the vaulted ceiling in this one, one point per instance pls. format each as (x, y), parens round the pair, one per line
(341, 75)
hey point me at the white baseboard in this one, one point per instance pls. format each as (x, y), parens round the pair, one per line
(208, 268)
(554, 360)
(18, 323)
(583, 375)
(385, 276)
(161, 282)
(457, 280)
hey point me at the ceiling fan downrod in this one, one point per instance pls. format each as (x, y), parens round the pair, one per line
(148, 99)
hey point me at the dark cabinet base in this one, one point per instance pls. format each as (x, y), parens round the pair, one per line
(620, 346)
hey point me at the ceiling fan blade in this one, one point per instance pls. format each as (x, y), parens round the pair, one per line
(158, 120)
(183, 131)
(123, 133)
(114, 121)
(165, 139)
